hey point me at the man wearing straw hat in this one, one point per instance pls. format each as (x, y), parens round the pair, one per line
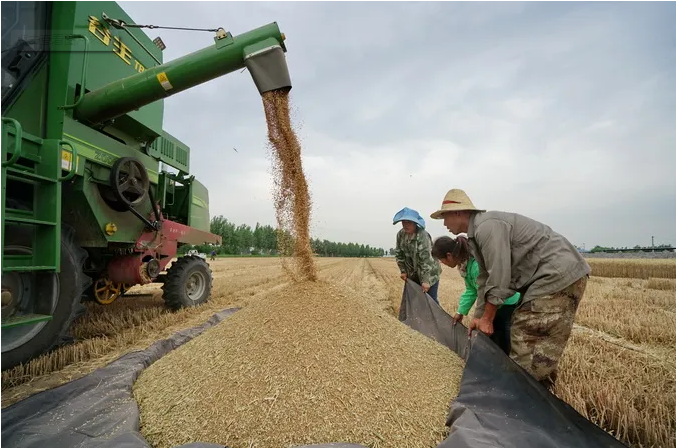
(519, 254)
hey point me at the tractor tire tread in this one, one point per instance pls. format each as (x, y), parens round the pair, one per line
(60, 336)
(78, 309)
(173, 284)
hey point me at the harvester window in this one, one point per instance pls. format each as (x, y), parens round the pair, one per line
(25, 37)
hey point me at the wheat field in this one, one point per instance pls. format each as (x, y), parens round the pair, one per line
(633, 267)
(618, 370)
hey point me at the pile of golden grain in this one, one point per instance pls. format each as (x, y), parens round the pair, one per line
(291, 195)
(307, 364)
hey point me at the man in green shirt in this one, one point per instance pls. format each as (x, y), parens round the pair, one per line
(518, 254)
(414, 252)
(455, 253)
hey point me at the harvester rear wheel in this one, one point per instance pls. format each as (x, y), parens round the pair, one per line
(188, 283)
(40, 293)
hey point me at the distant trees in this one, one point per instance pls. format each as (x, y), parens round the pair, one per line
(637, 248)
(262, 240)
(242, 239)
(330, 249)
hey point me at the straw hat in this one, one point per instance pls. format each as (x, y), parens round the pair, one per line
(455, 200)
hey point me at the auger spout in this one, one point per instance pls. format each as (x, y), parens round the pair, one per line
(261, 51)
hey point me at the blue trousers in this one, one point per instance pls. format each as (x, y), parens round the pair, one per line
(434, 289)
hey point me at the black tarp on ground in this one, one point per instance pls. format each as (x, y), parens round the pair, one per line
(97, 410)
(499, 404)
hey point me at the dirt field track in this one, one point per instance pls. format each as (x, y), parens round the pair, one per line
(619, 369)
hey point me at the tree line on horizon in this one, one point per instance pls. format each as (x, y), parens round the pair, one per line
(242, 239)
(636, 248)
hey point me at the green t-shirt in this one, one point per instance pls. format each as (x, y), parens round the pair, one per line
(468, 297)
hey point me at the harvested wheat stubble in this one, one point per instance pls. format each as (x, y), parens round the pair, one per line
(291, 195)
(308, 364)
(630, 394)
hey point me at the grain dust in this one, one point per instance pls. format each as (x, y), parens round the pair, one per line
(291, 195)
(323, 367)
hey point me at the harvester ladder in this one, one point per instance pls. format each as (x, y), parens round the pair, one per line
(38, 162)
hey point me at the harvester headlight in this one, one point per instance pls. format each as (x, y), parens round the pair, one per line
(159, 43)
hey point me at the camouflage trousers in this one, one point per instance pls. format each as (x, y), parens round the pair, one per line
(541, 328)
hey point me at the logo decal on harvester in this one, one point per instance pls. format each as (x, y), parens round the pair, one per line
(103, 34)
(162, 78)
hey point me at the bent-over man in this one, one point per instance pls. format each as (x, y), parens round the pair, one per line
(518, 254)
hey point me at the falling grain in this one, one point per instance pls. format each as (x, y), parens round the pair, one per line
(291, 195)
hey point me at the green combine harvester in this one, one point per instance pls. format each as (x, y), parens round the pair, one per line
(88, 208)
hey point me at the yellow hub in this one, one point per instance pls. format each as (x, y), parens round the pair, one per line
(106, 291)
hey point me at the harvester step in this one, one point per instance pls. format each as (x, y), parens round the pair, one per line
(24, 220)
(28, 268)
(19, 212)
(17, 260)
(25, 319)
(27, 176)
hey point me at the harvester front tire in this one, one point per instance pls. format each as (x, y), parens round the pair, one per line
(187, 283)
(70, 284)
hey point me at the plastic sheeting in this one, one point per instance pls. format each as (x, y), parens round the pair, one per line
(97, 410)
(499, 404)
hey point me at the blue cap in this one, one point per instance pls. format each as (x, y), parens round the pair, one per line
(407, 214)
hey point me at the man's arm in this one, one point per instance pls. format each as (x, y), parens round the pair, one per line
(481, 293)
(493, 239)
(484, 313)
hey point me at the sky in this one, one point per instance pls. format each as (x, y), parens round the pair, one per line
(562, 112)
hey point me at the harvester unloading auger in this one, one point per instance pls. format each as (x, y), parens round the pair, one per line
(87, 208)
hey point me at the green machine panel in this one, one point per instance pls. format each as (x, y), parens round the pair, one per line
(115, 54)
(171, 151)
(199, 207)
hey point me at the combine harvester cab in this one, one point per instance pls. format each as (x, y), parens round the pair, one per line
(87, 209)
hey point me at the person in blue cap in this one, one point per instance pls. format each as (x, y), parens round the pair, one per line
(414, 252)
